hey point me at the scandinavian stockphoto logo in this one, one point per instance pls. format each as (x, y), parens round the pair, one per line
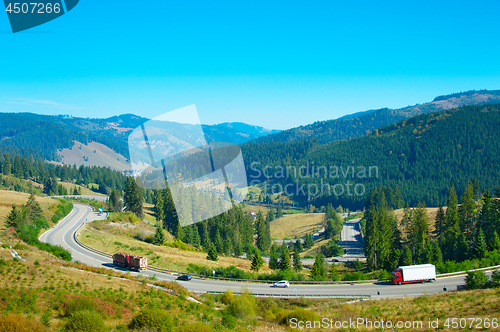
(205, 178)
(26, 15)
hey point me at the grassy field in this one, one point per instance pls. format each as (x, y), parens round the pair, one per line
(298, 225)
(7, 198)
(126, 236)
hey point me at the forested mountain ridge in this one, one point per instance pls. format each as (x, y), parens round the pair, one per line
(361, 123)
(423, 155)
(43, 136)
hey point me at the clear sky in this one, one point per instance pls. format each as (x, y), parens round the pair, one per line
(277, 64)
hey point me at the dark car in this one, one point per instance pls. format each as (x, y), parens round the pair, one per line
(185, 277)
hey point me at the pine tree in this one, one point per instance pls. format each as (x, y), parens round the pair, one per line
(318, 271)
(298, 245)
(159, 237)
(285, 263)
(297, 262)
(32, 209)
(257, 262)
(14, 218)
(6, 167)
(170, 213)
(114, 201)
(406, 259)
(279, 214)
(440, 222)
(467, 213)
(159, 204)
(212, 253)
(270, 215)
(219, 244)
(273, 258)
(261, 233)
(133, 197)
(480, 246)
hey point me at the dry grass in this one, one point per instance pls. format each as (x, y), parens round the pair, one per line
(290, 226)
(7, 198)
(113, 238)
(431, 212)
(85, 191)
(103, 156)
(249, 208)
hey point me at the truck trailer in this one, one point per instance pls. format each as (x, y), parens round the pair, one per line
(413, 273)
(131, 262)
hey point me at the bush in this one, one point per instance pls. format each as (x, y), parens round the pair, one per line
(227, 297)
(476, 279)
(63, 209)
(242, 306)
(152, 318)
(300, 314)
(350, 276)
(78, 304)
(19, 323)
(85, 321)
(29, 234)
(196, 327)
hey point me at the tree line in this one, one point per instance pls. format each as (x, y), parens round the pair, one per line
(464, 231)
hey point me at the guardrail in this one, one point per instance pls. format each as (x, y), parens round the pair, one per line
(289, 295)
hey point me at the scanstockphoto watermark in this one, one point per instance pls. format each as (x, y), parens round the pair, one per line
(356, 324)
(321, 179)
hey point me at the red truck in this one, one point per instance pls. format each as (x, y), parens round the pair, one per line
(131, 262)
(413, 273)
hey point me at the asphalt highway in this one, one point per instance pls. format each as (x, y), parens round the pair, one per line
(62, 234)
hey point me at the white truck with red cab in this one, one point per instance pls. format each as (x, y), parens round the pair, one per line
(414, 273)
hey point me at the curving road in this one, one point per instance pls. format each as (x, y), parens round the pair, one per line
(62, 234)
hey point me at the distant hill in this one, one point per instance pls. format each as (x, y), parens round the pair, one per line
(361, 123)
(422, 155)
(69, 139)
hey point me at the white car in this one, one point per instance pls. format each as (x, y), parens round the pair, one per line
(282, 283)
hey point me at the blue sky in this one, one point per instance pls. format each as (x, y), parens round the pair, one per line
(277, 64)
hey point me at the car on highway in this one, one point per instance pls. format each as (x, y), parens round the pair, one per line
(282, 283)
(335, 260)
(185, 277)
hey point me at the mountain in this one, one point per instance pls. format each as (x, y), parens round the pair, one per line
(423, 155)
(69, 139)
(235, 132)
(361, 123)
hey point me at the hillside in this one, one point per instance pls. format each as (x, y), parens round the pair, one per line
(360, 123)
(423, 155)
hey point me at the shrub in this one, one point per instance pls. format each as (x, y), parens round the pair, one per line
(227, 297)
(19, 323)
(29, 234)
(350, 276)
(79, 304)
(476, 279)
(173, 286)
(85, 321)
(152, 318)
(242, 306)
(196, 327)
(300, 314)
(63, 209)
